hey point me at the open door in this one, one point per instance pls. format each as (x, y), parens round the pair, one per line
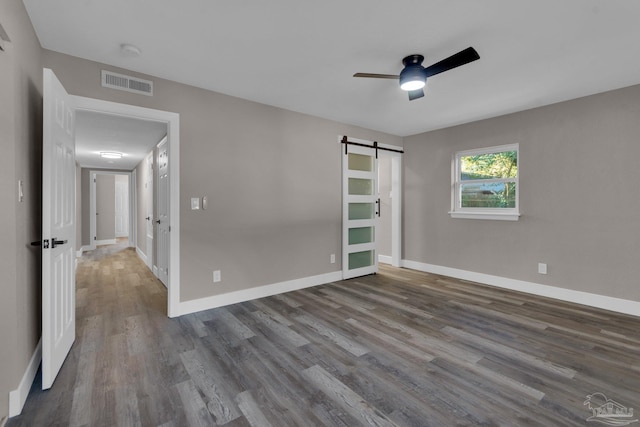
(163, 229)
(58, 228)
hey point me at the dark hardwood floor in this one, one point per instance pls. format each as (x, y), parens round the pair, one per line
(398, 348)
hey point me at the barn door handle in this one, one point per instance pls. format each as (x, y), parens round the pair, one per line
(378, 205)
(55, 242)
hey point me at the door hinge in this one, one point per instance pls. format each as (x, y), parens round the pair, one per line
(45, 244)
(95, 238)
(169, 229)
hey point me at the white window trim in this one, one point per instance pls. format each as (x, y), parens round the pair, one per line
(501, 214)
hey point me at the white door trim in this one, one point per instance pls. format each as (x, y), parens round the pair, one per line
(173, 133)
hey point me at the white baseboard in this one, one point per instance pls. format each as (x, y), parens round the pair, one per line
(18, 397)
(585, 298)
(235, 297)
(385, 259)
(105, 242)
(142, 255)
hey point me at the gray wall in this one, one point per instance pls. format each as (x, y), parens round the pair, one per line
(21, 142)
(105, 207)
(578, 195)
(273, 179)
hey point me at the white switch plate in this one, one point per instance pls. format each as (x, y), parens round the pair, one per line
(205, 203)
(542, 268)
(217, 276)
(195, 203)
(332, 258)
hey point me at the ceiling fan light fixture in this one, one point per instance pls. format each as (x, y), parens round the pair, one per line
(412, 78)
(410, 85)
(110, 155)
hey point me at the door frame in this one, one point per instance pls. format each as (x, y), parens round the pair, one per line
(396, 189)
(396, 204)
(172, 121)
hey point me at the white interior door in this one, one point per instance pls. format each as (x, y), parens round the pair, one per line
(122, 206)
(148, 188)
(360, 211)
(58, 228)
(162, 221)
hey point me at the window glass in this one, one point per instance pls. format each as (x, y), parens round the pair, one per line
(486, 183)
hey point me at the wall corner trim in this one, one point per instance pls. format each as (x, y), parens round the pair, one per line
(235, 297)
(605, 302)
(18, 397)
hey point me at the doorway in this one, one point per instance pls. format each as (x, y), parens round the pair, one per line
(110, 217)
(390, 219)
(171, 121)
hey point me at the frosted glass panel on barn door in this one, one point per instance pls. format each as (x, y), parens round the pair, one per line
(359, 212)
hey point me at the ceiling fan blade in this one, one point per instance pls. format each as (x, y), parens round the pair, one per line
(377, 76)
(415, 94)
(463, 57)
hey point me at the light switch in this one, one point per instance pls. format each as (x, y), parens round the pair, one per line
(204, 203)
(195, 203)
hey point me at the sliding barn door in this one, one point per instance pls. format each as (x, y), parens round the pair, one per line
(360, 210)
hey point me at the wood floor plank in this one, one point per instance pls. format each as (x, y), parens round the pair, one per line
(346, 398)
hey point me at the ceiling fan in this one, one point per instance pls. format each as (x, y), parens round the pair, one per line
(414, 76)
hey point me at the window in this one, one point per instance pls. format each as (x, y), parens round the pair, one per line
(485, 183)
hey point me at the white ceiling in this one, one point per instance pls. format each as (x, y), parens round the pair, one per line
(301, 55)
(98, 132)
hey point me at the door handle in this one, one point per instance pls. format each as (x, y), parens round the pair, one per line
(157, 221)
(36, 243)
(148, 218)
(55, 242)
(378, 204)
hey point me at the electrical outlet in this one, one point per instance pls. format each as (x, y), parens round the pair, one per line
(542, 268)
(332, 258)
(217, 276)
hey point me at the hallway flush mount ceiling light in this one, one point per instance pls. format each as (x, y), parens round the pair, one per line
(129, 50)
(110, 155)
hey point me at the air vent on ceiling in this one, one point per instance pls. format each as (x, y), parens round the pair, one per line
(130, 84)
